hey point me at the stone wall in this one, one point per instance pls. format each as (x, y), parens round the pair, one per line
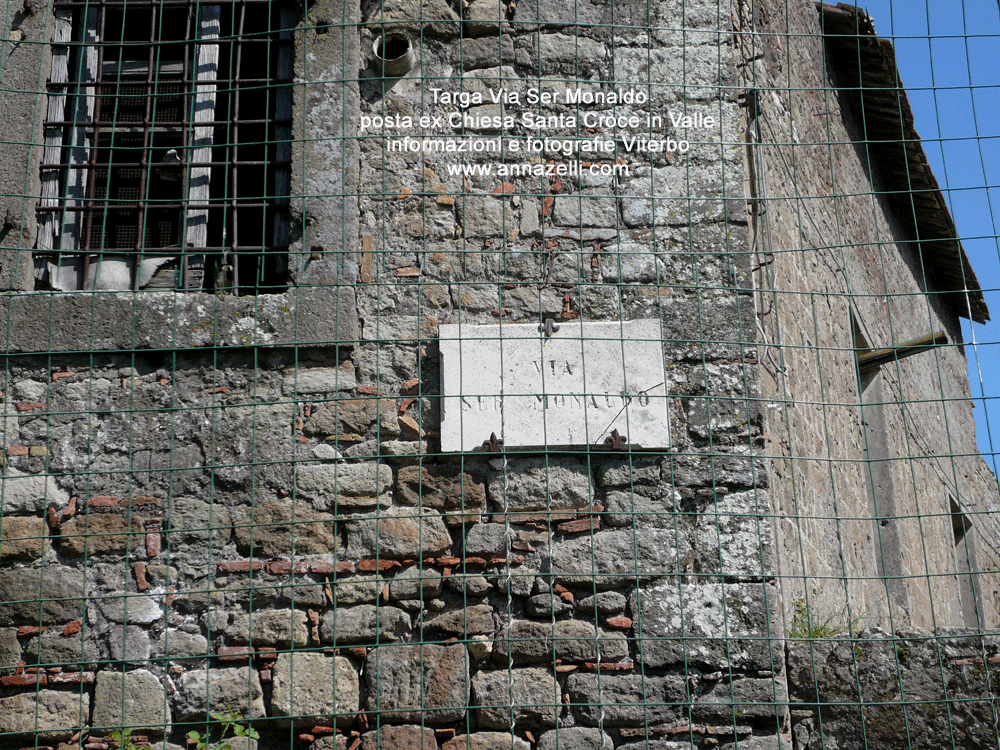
(831, 254)
(917, 689)
(242, 503)
(208, 518)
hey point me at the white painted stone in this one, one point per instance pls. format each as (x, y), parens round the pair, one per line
(567, 389)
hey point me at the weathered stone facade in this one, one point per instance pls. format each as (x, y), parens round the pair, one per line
(871, 541)
(216, 503)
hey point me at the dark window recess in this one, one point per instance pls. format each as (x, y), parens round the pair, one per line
(965, 564)
(167, 147)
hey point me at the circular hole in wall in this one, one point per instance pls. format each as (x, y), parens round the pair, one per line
(393, 54)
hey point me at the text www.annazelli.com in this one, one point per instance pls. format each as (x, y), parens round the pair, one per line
(536, 170)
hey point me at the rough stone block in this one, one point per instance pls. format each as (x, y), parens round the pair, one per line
(604, 603)
(709, 329)
(474, 620)
(426, 683)
(415, 583)
(643, 507)
(627, 700)
(575, 738)
(330, 742)
(677, 22)
(177, 467)
(10, 650)
(775, 742)
(466, 585)
(283, 628)
(124, 607)
(101, 534)
(403, 328)
(352, 415)
(556, 51)
(397, 533)
(436, 17)
(717, 626)
(540, 485)
(568, 640)
(197, 525)
(458, 495)
(696, 75)
(484, 17)
(304, 315)
(743, 700)
(608, 559)
(345, 487)
(203, 692)
(734, 537)
(319, 688)
(579, 641)
(486, 741)
(487, 540)
(528, 642)
(532, 695)
(76, 651)
(592, 207)
(713, 418)
(49, 715)
(29, 493)
(130, 699)
(631, 263)
(277, 529)
(679, 195)
(362, 589)
(179, 645)
(23, 537)
(658, 744)
(484, 216)
(58, 588)
(129, 645)
(364, 624)
(546, 606)
(487, 52)
(555, 13)
(319, 381)
(407, 737)
(628, 472)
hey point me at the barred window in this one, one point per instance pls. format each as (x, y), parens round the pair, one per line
(167, 147)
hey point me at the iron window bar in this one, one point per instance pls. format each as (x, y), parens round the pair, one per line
(152, 152)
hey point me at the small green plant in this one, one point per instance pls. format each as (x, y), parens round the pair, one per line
(230, 725)
(124, 739)
(804, 627)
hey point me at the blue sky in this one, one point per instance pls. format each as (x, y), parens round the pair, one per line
(946, 51)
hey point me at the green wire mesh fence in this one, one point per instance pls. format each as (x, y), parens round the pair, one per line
(484, 375)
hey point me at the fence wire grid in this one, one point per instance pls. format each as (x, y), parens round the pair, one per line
(498, 375)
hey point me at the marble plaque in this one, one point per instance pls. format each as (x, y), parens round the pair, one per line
(571, 388)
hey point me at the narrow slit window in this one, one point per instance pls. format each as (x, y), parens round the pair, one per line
(965, 564)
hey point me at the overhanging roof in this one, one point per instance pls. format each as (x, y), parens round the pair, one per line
(866, 68)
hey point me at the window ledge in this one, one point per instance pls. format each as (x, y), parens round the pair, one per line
(125, 321)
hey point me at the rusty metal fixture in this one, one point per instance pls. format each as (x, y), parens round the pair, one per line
(494, 444)
(615, 441)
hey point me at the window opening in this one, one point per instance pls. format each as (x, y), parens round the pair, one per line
(878, 473)
(167, 161)
(965, 563)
